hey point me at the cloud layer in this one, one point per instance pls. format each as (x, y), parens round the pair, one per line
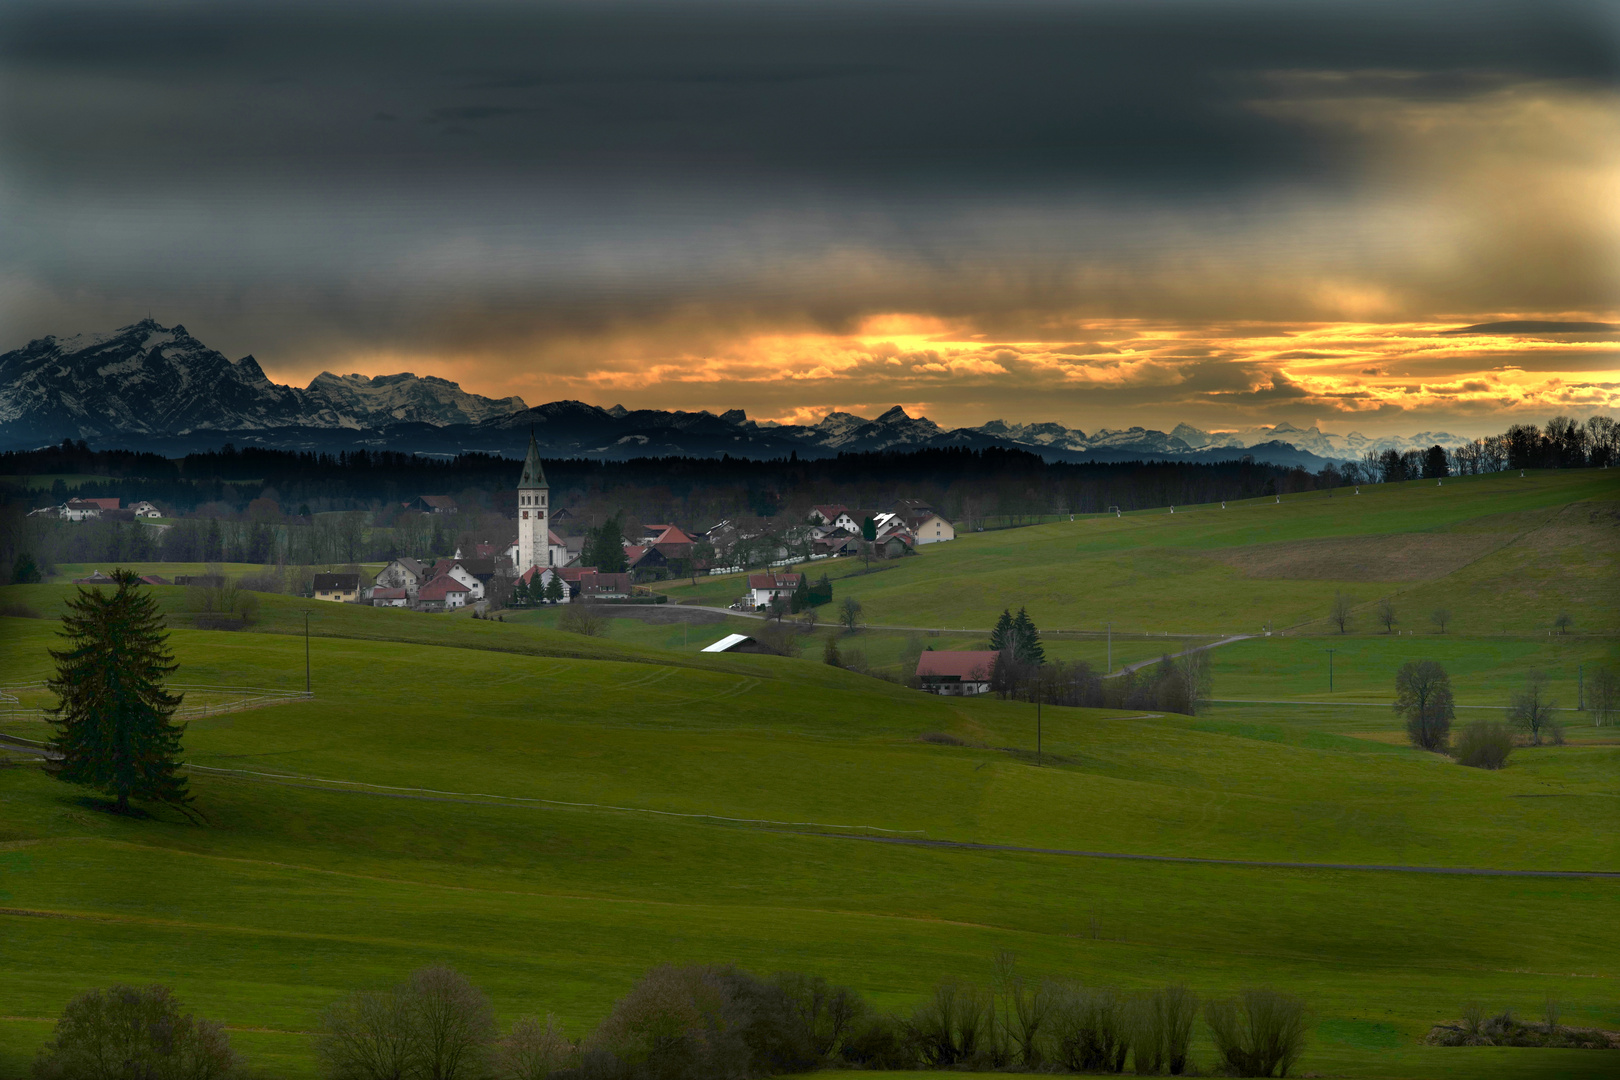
(1213, 211)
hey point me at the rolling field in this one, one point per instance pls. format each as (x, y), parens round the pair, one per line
(553, 815)
(1506, 554)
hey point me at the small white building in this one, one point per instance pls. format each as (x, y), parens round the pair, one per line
(146, 510)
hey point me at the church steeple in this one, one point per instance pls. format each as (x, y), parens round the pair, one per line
(533, 475)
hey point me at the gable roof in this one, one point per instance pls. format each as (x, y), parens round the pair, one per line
(440, 588)
(672, 535)
(830, 511)
(410, 566)
(389, 594)
(774, 581)
(438, 502)
(336, 582)
(533, 475)
(971, 664)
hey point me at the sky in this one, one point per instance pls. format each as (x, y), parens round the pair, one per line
(1097, 213)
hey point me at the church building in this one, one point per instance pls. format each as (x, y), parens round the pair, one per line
(534, 533)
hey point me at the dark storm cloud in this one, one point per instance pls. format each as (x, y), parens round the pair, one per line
(551, 180)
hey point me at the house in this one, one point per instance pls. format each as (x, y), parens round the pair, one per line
(386, 597)
(956, 673)
(86, 509)
(442, 594)
(153, 579)
(827, 515)
(97, 578)
(473, 573)
(403, 573)
(587, 583)
(835, 542)
(433, 504)
(146, 510)
(338, 588)
(673, 544)
(763, 588)
(931, 529)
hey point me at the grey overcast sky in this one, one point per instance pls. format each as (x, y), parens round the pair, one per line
(1098, 213)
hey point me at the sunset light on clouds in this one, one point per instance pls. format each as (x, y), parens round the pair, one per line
(1220, 213)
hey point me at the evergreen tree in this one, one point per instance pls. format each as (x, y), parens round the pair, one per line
(25, 571)
(801, 594)
(114, 725)
(1001, 636)
(1026, 641)
(829, 652)
(604, 548)
(554, 590)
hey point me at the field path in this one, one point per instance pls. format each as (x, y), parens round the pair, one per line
(1128, 668)
(1466, 871)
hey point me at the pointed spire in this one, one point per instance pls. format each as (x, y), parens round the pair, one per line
(533, 475)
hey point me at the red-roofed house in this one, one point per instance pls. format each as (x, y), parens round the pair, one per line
(827, 515)
(763, 587)
(957, 673)
(80, 509)
(442, 594)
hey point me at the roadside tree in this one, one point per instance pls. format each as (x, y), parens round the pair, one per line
(1423, 696)
(114, 723)
(850, 614)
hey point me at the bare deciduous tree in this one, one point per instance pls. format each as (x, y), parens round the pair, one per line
(850, 614)
(1603, 696)
(1532, 710)
(533, 1050)
(453, 1021)
(1423, 696)
(1339, 615)
(1386, 615)
(433, 1026)
(582, 617)
(123, 1032)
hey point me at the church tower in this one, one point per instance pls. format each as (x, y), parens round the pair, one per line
(534, 537)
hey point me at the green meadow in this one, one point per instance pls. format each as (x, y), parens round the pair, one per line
(1505, 554)
(553, 814)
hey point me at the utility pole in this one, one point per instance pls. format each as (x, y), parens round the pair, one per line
(1110, 648)
(1037, 716)
(306, 652)
(1580, 687)
(1330, 670)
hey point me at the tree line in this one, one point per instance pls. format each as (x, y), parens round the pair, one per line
(705, 1022)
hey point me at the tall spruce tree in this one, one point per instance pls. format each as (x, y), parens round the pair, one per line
(114, 724)
(1001, 636)
(1026, 641)
(554, 590)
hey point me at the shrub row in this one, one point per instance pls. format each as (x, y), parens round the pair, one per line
(703, 1022)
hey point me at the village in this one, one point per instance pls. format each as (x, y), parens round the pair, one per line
(548, 563)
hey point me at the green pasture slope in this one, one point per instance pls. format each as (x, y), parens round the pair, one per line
(1506, 554)
(554, 814)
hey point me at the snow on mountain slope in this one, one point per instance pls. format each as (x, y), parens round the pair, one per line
(427, 399)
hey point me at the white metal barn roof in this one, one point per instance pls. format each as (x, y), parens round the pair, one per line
(729, 642)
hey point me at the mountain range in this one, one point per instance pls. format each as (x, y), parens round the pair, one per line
(151, 387)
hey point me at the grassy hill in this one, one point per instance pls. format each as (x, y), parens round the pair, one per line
(553, 814)
(1506, 554)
